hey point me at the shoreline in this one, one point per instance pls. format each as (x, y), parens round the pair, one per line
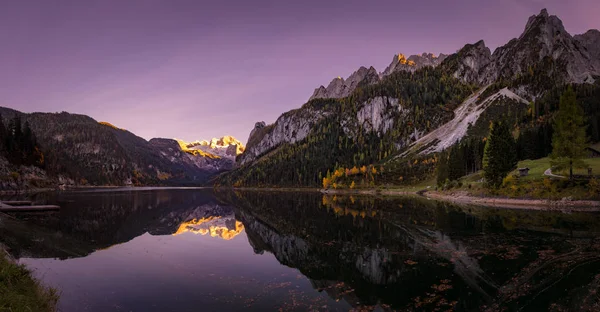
(27, 191)
(497, 202)
(517, 203)
(28, 293)
(460, 197)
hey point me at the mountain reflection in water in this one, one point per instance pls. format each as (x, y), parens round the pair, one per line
(332, 253)
(216, 226)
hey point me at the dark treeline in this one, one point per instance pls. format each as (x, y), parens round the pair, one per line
(19, 144)
(535, 142)
(588, 97)
(466, 156)
(463, 158)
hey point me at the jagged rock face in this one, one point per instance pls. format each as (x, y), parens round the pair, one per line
(339, 88)
(257, 127)
(544, 36)
(591, 42)
(172, 151)
(414, 62)
(291, 127)
(470, 61)
(376, 116)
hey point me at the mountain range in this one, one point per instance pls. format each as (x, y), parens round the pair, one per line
(395, 120)
(78, 150)
(423, 104)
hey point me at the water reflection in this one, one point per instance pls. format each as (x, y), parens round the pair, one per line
(413, 254)
(217, 226)
(352, 252)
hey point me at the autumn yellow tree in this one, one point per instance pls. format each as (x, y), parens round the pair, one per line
(326, 182)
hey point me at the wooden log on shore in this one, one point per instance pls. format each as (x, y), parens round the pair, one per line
(40, 208)
(18, 202)
(29, 208)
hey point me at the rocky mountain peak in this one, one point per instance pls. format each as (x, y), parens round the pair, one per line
(226, 146)
(469, 62)
(339, 88)
(413, 62)
(544, 37)
(532, 19)
(591, 42)
(545, 29)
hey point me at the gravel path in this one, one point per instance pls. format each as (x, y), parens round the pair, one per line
(549, 173)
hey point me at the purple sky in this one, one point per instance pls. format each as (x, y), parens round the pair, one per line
(199, 69)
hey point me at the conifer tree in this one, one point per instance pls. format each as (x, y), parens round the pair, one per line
(500, 156)
(442, 168)
(569, 140)
(456, 163)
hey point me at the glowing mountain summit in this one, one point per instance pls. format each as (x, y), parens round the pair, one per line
(226, 146)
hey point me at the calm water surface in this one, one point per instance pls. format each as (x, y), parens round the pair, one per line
(197, 250)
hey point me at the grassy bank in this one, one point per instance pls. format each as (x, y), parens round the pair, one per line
(19, 291)
(536, 185)
(535, 189)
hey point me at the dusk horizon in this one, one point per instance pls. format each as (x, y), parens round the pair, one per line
(194, 72)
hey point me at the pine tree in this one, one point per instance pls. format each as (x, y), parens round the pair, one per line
(499, 157)
(456, 163)
(569, 140)
(442, 169)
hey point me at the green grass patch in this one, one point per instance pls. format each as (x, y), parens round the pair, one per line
(536, 167)
(536, 185)
(20, 292)
(593, 163)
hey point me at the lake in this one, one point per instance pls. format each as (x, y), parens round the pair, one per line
(205, 250)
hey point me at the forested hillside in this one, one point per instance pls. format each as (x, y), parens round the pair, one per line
(400, 126)
(48, 149)
(369, 126)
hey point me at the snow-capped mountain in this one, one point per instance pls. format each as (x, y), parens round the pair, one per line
(226, 146)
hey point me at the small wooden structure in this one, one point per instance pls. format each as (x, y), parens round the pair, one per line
(25, 206)
(523, 172)
(593, 151)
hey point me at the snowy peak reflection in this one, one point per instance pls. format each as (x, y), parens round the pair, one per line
(225, 227)
(112, 218)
